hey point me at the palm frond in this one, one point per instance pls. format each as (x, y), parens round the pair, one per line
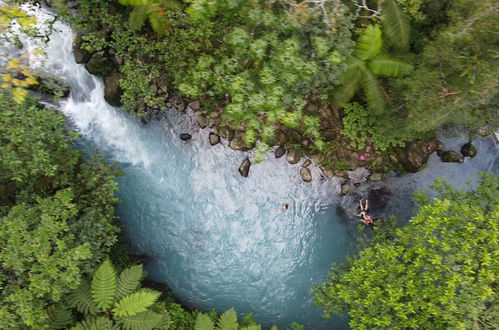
(59, 317)
(157, 20)
(81, 299)
(384, 65)
(203, 322)
(228, 320)
(396, 27)
(345, 92)
(137, 17)
(129, 281)
(372, 93)
(134, 2)
(143, 321)
(370, 43)
(354, 70)
(136, 302)
(103, 286)
(95, 323)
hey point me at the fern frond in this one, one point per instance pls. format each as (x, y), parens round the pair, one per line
(95, 323)
(396, 27)
(370, 43)
(383, 65)
(143, 321)
(373, 94)
(59, 317)
(345, 93)
(137, 17)
(203, 322)
(157, 20)
(81, 299)
(129, 281)
(136, 302)
(228, 320)
(171, 5)
(103, 286)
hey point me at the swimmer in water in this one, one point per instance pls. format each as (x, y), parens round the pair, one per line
(285, 207)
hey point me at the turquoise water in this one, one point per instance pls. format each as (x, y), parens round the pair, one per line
(217, 239)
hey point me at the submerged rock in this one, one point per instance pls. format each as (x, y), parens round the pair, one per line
(305, 174)
(293, 156)
(244, 168)
(451, 156)
(279, 152)
(468, 150)
(112, 89)
(185, 136)
(214, 139)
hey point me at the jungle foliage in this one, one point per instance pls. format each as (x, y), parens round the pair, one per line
(436, 272)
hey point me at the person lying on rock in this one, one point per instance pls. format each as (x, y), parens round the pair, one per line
(367, 220)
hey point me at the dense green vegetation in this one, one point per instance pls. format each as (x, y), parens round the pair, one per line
(436, 272)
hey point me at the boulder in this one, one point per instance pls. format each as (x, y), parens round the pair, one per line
(451, 156)
(244, 168)
(327, 171)
(293, 156)
(307, 163)
(179, 103)
(439, 147)
(49, 84)
(305, 174)
(237, 142)
(378, 195)
(415, 154)
(358, 175)
(81, 55)
(196, 105)
(468, 150)
(100, 65)
(112, 89)
(375, 177)
(202, 121)
(185, 136)
(214, 139)
(225, 132)
(345, 188)
(279, 152)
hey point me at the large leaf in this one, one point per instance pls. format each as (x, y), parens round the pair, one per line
(157, 20)
(345, 93)
(136, 302)
(203, 322)
(137, 17)
(372, 93)
(143, 321)
(129, 281)
(96, 323)
(383, 65)
(134, 2)
(354, 70)
(370, 43)
(103, 287)
(228, 320)
(81, 299)
(396, 27)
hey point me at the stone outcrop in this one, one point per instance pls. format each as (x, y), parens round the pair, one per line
(305, 174)
(237, 142)
(244, 168)
(112, 89)
(81, 55)
(415, 154)
(378, 195)
(293, 156)
(214, 139)
(451, 156)
(100, 65)
(468, 150)
(358, 175)
(279, 152)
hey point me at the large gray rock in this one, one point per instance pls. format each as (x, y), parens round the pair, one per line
(244, 168)
(305, 174)
(81, 55)
(293, 156)
(358, 175)
(468, 150)
(415, 154)
(378, 195)
(451, 156)
(237, 142)
(202, 121)
(112, 89)
(214, 139)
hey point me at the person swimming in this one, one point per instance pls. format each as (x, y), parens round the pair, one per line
(285, 207)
